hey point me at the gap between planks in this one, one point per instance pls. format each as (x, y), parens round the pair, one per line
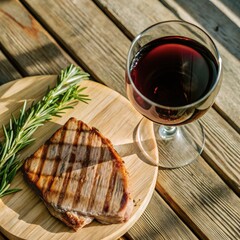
(60, 44)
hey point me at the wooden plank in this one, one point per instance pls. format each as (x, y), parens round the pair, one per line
(230, 8)
(148, 227)
(7, 71)
(137, 16)
(206, 204)
(31, 48)
(89, 35)
(141, 14)
(222, 149)
(134, 10)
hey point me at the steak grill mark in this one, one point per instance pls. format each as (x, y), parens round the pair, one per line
(57, 159)
(69, 164)
(82, 177)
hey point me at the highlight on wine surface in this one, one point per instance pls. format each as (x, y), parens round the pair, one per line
(173, 76)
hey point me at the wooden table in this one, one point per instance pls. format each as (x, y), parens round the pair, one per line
(43, 36)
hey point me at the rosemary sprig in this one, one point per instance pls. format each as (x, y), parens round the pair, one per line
(18, 133)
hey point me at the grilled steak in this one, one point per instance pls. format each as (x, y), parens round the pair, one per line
(80, 177)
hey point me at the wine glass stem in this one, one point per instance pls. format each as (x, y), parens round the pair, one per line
(167, 132)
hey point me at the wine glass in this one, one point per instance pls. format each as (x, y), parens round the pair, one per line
(173, 75)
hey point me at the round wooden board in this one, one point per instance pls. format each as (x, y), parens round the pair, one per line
(23, 215)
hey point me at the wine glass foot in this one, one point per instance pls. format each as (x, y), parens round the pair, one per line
(177, 146)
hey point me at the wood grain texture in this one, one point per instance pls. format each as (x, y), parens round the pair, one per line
(211, 19)
(23, 215)
(137, 16)
(206, 204)
(29, 46)
(225, 159)
(91, 37)
(135, 12)
(7, 71)
(148, 227)
(231, 9)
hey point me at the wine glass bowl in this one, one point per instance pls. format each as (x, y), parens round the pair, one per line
(173, 76)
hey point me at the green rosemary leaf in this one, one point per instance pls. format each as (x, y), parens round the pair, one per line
(18, 133)
(7, 191)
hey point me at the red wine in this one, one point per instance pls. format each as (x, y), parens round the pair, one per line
(173, 72)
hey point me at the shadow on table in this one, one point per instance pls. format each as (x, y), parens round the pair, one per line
(150, 155)
(219, 25)
(46, 59)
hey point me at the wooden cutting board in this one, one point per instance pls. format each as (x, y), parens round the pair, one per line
(23, 215)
